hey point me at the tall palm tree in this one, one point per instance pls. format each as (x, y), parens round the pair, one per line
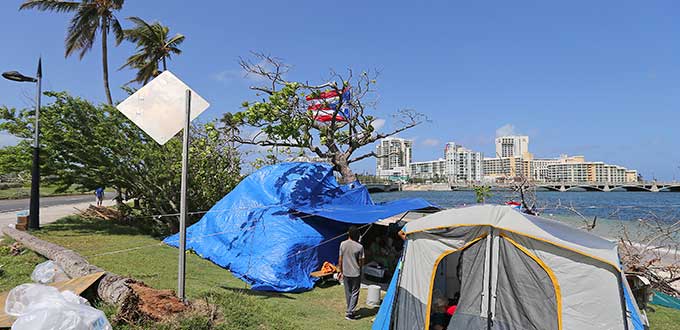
(91, 16)
(154, 46)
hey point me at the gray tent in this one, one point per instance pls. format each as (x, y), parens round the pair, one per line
(513, 271)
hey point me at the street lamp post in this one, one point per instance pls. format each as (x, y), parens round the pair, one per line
(34, 209)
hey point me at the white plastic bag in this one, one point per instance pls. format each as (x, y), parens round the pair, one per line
(61, 316)
(19, 298)
(44, 307)
(48, 272)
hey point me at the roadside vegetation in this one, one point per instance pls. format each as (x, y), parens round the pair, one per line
(24, 191)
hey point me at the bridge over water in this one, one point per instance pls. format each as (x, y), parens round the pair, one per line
(592, 186)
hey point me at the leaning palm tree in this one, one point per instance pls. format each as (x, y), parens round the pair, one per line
(154, 46)
(91, 16)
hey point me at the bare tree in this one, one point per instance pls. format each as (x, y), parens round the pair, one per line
(282, 117)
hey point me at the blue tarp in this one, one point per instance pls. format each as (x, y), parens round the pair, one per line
(665, 300)
(281, 222)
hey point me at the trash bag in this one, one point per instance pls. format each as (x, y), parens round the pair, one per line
(48, 272)
(43, 307)
(19, 298)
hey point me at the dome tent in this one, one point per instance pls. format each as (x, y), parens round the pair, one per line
(511, 270)
(281, 222)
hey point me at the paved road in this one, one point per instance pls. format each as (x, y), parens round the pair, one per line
(13, 205)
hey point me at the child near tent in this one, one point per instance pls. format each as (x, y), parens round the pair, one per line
(440, 318)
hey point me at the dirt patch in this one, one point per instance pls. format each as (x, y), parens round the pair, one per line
(146, 303)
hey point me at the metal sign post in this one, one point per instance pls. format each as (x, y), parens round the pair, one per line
(161, 109)
(183, 201)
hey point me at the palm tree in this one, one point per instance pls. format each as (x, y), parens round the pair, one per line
(91, 16)
(154, 46)
(482, 193)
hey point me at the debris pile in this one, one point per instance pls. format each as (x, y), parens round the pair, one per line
(101, 212)
(16, 249)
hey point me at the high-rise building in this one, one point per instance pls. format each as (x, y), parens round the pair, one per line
(394, 157)
(581, 171)
(503, 168)
(512, 146)
(462, 164)
(434, 170)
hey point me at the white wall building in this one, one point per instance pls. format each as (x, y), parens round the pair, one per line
(502, 168)
(577, 170)
(462, 164)
(434, 170)
(394, 157)
(512, 146)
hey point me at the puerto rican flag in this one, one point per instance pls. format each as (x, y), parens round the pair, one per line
(324, 105)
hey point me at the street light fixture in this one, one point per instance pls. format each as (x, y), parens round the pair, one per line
(34, 209)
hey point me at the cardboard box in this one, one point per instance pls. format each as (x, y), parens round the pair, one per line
(22, 220)
(21, 227)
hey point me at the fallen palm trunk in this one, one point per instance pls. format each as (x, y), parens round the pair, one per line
(130, 294)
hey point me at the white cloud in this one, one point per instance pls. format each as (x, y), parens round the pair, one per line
(378, 123)
(505, 130)
(431, 142)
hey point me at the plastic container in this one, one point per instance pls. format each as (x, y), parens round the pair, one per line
(373, 297)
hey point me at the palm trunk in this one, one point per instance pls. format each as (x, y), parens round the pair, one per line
(105, 63)
(165, 67)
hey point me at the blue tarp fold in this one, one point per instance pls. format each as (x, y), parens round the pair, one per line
(281, 222)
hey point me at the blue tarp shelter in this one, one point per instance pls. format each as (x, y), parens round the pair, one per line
(282, 222)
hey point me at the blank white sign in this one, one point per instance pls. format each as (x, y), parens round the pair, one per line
(159, 108)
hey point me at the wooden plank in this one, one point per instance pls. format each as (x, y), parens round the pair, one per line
(76, 285)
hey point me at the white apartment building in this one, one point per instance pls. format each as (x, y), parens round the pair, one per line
(590, 172)
(538, 168)
(394, 157)
(503, 168)
(462, 164)
(512, 146)
(434, 170)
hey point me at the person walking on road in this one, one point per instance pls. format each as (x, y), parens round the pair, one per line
(349, 265)
(99, 192)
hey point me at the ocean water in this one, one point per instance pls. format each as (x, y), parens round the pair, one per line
(636, 212)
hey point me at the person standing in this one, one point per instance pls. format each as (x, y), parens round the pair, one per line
(350, 261)
(99, 192)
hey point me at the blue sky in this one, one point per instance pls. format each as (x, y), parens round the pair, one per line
(594, 78)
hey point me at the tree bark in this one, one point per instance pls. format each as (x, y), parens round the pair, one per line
(347, 176)
(112, 288)
(105, 62)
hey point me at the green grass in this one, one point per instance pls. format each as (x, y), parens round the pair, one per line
(16, 269)
(25, 192)
(147, 260)
(664, 318)
(156, 265)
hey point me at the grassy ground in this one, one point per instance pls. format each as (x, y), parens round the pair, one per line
(25, 192)
(156, 265)
(16, 269)
(145, 259)
(664, 318)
